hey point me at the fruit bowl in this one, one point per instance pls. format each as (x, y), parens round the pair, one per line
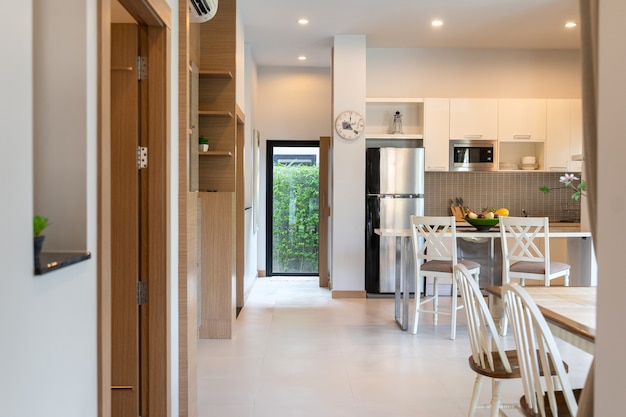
(482, 225)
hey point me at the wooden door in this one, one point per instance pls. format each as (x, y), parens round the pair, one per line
(324, 211)
(125, 219)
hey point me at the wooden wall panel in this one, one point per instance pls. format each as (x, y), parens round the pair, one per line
(187, 228)
(217, 258)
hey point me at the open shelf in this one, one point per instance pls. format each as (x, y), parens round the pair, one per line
(215, 74)
(215, 153)
(216, 113)
(51, 261)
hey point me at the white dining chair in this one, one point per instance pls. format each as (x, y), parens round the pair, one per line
(435, 255)
(526, 254)
(489, 359)
(545, 394)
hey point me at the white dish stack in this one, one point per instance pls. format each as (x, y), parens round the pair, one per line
(529, 163)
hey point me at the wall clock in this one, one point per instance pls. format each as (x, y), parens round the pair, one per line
(349, 124)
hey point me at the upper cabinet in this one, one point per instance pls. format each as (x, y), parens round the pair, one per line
(436, 133)
(576, 135)
(546, 131)
(564, 130)
(521, 119)
(558, 123)
(379, 118)
(522, 133)
(473, 118)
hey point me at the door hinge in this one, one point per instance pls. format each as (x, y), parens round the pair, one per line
(142, 293)
(142, 157)
(142, 68)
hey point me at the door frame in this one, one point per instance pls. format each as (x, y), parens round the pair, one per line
(154, 18)
(324, 213)
(323, 145)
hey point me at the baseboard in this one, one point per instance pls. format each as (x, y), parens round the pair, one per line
(348, 294)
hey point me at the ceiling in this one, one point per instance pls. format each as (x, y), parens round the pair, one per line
(271, 27)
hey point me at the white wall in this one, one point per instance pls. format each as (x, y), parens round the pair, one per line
(611, 338)
(61, 121)
(473, 73)
(292, 103)
(249, 165)
(347, 216)
(48, 323)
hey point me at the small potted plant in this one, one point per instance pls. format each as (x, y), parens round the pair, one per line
(203, 144)
(39, 224)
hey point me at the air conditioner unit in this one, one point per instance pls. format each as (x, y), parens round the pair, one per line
(202, 10)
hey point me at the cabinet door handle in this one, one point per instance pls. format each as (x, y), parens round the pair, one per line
(473, 136)
(521, 136)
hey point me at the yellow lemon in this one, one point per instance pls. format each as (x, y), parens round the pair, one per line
(502, 212)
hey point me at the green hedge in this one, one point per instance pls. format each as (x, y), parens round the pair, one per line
(296, 219)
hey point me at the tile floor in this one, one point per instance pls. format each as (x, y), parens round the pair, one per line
(296, 352)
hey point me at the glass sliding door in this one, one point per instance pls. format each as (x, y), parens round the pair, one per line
(293, 208)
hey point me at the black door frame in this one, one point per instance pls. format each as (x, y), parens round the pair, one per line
(269, 200)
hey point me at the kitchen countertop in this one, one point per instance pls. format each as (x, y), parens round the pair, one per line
(464, 229)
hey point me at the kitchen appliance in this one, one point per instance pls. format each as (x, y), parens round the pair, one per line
(473, 155)
(394, 191)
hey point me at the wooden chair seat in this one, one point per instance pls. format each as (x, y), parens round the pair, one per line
(499, 369)
(561, 404)
(544, 395)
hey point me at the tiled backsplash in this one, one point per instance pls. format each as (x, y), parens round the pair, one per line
(513, 190)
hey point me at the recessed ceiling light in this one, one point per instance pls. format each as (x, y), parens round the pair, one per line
(303, 21)
(302, 58)
(436, 23)
(570, 25)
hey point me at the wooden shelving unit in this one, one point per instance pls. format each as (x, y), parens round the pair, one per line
(219, 121)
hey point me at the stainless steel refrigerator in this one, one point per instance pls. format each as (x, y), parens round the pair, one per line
(394, 191)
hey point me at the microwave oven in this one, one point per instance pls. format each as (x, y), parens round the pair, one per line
(473, 155)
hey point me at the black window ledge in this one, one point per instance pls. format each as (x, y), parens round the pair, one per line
(51, 261)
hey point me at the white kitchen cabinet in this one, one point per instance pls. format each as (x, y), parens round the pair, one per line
(436, 133)
(521, 119)
(558, 129)
(380, 113)
(473, 118)
(521, 131)
(576, 135)
(564, 140)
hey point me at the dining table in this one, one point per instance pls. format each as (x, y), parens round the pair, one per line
(569, 311)
(464, 230)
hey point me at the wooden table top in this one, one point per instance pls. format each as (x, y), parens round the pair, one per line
(571, 308)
